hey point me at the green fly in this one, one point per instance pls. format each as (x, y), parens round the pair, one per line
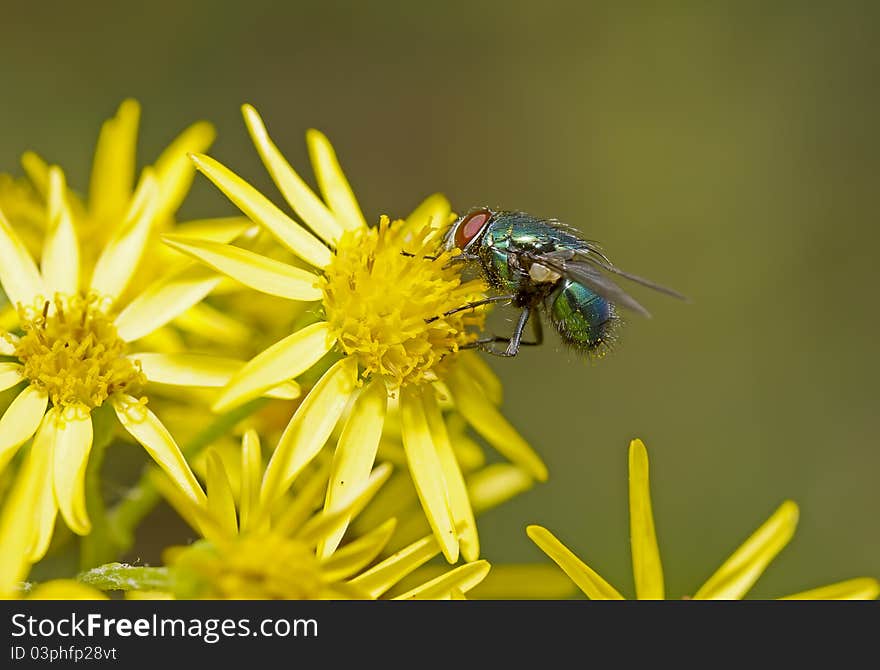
(541, 263)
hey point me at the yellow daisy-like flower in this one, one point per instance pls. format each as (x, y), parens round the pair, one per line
(382, 293)
(98, 216)
(253, 552)
(71, 353)
(730, 582)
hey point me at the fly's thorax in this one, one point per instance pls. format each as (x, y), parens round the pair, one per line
(529, 232)
(495, 265)
(583, 319)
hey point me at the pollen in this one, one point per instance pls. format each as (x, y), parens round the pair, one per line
(385, 294)
(70, 348)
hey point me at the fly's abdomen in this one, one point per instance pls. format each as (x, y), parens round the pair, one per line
(582, 318)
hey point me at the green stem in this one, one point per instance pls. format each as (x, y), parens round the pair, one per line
(123, 577)
(141, 498)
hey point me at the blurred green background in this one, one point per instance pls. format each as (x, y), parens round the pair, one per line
(726, 149)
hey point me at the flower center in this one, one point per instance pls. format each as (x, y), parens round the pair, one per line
(385, 293)
(72, 351)
(252, 567)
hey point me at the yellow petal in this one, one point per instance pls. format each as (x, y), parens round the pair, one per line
(65, 589)
(647, 569)
(18, 273)
(861, 588)
(397, 499)
(427, 471)
(10, 374)
(8, 321)
(495, 484)
(60, 262)
(7, 344)
(45, 507)
(309, 429)
(476, 367)
(358, 553)
(251, 471)
(433, 212)
(114, 165)
(162, 301)
(295, 510)
(187, 369)
(480, 413)
(586, 579)
(259, 272)
(121, 255)
(222, 229)
(382, 576)
(300, 197)
(739, 572)
(221, 502)
(260, 210)
(146, 428)
(524, 582)
(175, 170)
(213, 324)
(37, 171)
(459, 502)
(20, 421)
(470, 455)
(351, 504)
(201, 370)
(17, 530)
(463, 578)
(355, 453)
(71, 433)
(332, 182)
(284, 360)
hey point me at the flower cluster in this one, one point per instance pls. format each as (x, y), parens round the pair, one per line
(337, 339)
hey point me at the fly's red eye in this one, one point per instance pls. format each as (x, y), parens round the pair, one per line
(470, 227)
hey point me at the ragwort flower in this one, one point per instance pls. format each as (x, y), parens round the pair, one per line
(730, 582)
(382, 293)
(71, 354)
(253, 551)
(98, 216)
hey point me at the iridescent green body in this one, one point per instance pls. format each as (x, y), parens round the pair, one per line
(541, 263)
(506, 250)
(581, 317)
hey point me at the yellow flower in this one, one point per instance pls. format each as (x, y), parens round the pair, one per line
(72, 352)
(730, 582)
(381, 294)
(99, 217)
(253, 551)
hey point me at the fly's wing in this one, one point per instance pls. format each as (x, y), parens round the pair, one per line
(593, 254)
(584, 266)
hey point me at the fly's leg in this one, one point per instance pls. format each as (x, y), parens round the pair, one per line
(427, 258)
(472, 305)
(455, 260)
(515, 341)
